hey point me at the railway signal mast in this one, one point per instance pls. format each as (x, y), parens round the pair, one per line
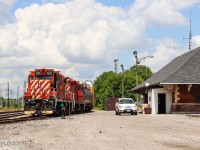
(116, 60)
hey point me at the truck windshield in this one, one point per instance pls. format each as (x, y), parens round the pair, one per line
(126, 101)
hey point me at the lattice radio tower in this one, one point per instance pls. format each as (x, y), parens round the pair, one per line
(190, 33)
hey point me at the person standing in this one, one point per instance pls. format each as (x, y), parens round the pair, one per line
(63, 113)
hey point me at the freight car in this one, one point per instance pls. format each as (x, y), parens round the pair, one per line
(47, 89)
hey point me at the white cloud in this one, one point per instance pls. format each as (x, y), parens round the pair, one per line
(165, 51)
(196, 41)
(55, 34)
(5, 6)
(82, 37)
(162, 12)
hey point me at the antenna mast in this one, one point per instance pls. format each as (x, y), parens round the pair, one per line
(190, 34)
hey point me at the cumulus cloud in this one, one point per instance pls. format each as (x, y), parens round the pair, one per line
(165, 51)
(162, 12)
(196, 41)
(81, 37)
(5, 6)
(56, 35)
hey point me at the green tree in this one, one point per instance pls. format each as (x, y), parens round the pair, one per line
(106, 85)
(144, 72)
(109, 84)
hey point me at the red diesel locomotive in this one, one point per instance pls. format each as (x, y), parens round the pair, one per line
(48, 88)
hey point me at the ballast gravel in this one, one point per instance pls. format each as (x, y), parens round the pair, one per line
(103, 130)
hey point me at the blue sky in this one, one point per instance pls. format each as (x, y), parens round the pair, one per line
(125, 3)
(83, 37)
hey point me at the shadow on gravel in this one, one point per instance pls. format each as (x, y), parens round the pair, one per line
(67, 115)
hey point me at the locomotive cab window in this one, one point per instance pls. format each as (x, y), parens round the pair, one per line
(31, 78)
(48, 77)
(39, 77)
(43, 77)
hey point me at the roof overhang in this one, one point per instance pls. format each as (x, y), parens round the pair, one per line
(142, 89)
(156, 85)
(178, 83)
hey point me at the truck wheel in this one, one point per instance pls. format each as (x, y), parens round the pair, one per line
(131, 113)
(135, 113)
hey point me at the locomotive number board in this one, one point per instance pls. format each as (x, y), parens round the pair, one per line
(43, 72)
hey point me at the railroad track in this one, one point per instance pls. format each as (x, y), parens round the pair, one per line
(10, 114)
(18, 116)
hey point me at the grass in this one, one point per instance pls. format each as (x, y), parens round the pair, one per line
(97, 108)
(11, 109)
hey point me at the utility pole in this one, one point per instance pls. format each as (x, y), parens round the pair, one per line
(8, 96)
(116, 60)
(136, 70)
(122, 66)
(8, 91)
(18, 96)
(17, 92)
(12, 98)
(137, 62)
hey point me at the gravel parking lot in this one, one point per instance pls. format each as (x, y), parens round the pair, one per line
(103, 130)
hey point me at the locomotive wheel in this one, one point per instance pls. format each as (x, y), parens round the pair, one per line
(39, 113)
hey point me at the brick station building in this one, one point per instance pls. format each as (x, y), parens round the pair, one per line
(176, 87)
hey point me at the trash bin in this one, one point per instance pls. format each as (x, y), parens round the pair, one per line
(146, 109)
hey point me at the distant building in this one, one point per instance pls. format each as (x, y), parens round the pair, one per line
(176, 87)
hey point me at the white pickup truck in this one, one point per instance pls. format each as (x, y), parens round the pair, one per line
(125, 105)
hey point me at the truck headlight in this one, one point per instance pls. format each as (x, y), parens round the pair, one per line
(120, 106)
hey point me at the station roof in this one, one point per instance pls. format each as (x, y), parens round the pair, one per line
(184, 69)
